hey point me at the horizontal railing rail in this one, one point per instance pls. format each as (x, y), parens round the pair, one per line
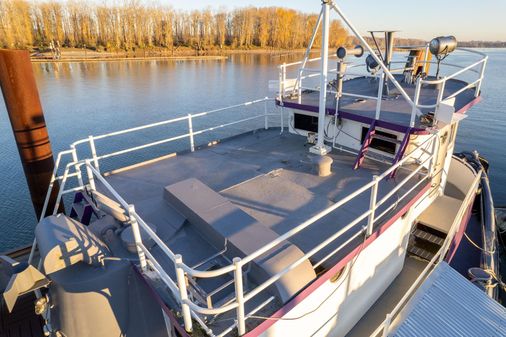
(304, 73)
(384, 327)
(191, 309)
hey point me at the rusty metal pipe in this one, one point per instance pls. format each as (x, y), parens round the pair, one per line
(27, 120)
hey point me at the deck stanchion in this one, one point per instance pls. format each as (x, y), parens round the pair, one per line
(386, 327)
(280, 88)
(183, 293)
(299, 85)
(433, 157)
(93, 152)
(415, 102)
(482, 73)
(266, 117)
(439, 98)
(283, 78)
(372, 205)
(137, 236)
(77, 167)
(239, 295)
(190, 132)
(380, 96)
(89, 172)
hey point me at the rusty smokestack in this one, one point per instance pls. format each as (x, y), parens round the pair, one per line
(27, 120)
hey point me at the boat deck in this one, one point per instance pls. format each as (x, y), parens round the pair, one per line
(413, 266)
(270, 177)
(395, 111)
(267, 175)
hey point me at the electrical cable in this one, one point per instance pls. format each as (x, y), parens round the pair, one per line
(477, 246)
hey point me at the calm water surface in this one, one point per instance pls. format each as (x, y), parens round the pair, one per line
(81, 99)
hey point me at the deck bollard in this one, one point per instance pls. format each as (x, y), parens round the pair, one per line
(372, 205)
(239, 295)
(183, 293)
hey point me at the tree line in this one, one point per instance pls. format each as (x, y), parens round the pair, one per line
(133, 24)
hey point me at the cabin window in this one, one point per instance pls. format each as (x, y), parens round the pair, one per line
(382, 143)
(305, 122)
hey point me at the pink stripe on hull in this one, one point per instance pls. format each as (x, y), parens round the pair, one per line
(341, 264)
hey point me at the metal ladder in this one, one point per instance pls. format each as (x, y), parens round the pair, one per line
(371, 135)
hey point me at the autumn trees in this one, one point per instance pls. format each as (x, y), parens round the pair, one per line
(133, 24)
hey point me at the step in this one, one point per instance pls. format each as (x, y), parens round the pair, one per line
(420, 252)
(386, 139)
(420, 234)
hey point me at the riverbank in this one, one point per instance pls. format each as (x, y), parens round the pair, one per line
(180, 54)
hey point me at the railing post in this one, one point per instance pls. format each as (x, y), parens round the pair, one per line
(415, 102)
(440, 97)
(482, 73)
(91, 179)
(299, 89)
(284, 77)
(433, 154)
(280, 79)
(266, 117)
(93, 152)
(425, 59)
(386, 326)
(183, 293)
(137, 236)
(190, 131)
(281, 121)
(239, 295)
(380, 96)
(78, 169)
(372, 205)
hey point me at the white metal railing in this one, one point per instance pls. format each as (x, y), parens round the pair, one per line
(178, 287)
(290, 87)
(385, 327)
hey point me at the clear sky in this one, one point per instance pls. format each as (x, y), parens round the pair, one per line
(466, 19)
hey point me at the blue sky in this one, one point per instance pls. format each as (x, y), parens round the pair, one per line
(466, 19)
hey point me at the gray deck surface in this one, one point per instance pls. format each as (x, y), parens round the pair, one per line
(267, 175)
(394, 109)
(389, 299)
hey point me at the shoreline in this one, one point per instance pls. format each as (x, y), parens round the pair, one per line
(117, 59)
(79, 56)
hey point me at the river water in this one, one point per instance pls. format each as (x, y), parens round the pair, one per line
(81, 99)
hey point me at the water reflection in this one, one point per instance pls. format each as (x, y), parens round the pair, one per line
(80, 99)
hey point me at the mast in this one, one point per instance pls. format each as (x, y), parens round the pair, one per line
(320, 148)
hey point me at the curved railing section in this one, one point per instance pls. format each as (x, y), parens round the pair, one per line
(295, 86)
(86, 172)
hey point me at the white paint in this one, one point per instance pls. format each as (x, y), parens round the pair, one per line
(356, 291)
